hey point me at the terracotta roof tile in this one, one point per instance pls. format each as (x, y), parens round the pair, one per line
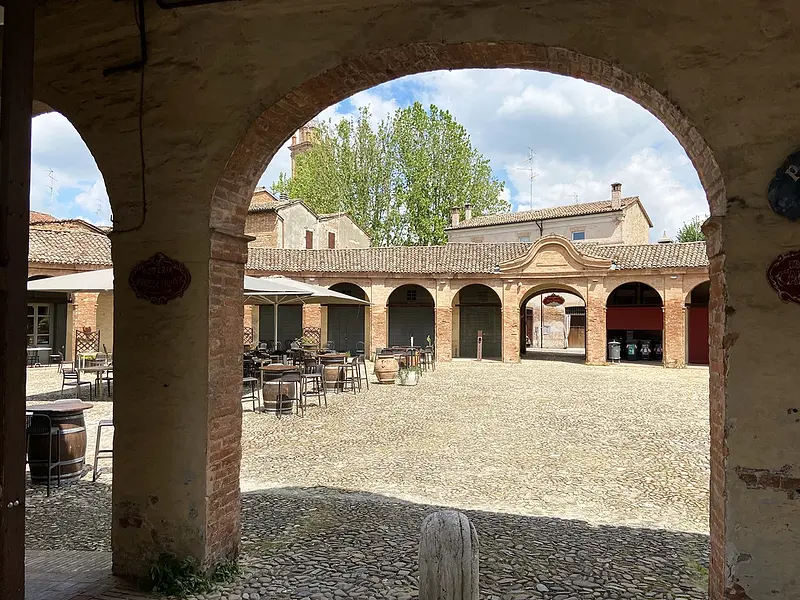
(460, 258)
(40, 217)
(544, 214)
(69, 246)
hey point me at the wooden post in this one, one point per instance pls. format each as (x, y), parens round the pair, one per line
(448, 558)
(16, 102)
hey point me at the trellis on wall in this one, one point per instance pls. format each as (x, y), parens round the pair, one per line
(86, 342)
(248, 336)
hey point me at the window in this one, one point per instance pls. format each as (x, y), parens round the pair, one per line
(578, 235)
(309, 240)
(39, 325)
(411, 295)
(524, 239)
(331, 240)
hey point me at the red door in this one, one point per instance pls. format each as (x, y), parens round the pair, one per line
(698, 335)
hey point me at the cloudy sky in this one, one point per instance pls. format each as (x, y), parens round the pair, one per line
(583, 137)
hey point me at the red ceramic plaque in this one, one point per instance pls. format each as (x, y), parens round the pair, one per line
(784, 276)
(159, 279)
(553, 300)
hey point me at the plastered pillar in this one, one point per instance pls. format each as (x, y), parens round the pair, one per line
(177, 410)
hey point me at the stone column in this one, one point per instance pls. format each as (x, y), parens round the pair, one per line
(596, 324)
(674, 323)
(177, 410)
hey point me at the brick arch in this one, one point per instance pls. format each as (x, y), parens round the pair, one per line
(633, 280)
(693, 288)
(456, 289)
(339, 282)
(551, 286)
(416, 284)
(278, 122)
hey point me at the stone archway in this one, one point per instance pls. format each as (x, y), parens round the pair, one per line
(276, 124)
(697, 324)
(411, 315)
(635, 319)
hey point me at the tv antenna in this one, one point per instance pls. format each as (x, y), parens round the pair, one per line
(53, 182)
(575, 197)
(532, 175)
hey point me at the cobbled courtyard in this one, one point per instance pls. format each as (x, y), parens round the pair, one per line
(582, 482)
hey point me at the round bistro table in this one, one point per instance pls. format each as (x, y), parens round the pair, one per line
(67, 417)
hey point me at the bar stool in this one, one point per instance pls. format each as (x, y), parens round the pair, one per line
(251, 394)
(101, 453)
(41, 424)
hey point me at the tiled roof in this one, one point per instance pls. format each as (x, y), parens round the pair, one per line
(651, 256)
(269, 205)
(69, 224)
(461, 258)
(40, 217)
(544, 214)
(69, 247)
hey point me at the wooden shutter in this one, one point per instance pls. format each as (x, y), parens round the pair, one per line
(309, 240)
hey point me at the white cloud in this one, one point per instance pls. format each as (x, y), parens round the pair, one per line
(542, 101)
(95, 200)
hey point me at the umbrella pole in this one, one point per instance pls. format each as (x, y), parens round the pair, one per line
(275, 328)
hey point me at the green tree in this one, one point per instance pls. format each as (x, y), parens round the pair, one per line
(691, 231)
(399, 179)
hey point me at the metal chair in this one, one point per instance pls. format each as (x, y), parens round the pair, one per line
(251, 394)
(361, 348)
(362, 372)
(349, 381)
(41, 424)
(72, 378)
(55, 359)
(98, 454)
(330, 346)
(312, 375)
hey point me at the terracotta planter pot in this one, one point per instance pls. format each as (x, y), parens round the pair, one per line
(386, 369)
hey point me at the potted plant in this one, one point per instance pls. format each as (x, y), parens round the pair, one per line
(408, 376)
(308, 343)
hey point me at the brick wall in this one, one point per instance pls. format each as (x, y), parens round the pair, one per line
(265, 227)
(226, 313)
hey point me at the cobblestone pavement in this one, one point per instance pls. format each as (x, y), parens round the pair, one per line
(581, 482)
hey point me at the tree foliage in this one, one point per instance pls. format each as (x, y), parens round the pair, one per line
(691, 231)
(398, 179)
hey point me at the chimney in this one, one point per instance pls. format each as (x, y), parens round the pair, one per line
(455, 216)
(467, 211)
(616, 196)
(665, 239)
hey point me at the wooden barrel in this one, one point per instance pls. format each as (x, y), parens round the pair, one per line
(386, 368)
(70, 441)
(271, 403)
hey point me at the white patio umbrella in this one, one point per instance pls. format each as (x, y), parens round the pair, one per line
(306, 293)
(88, 281)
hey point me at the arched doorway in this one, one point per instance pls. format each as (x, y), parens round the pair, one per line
(411, 316)
(477, 308)
(635, 318)
(697, 324)
(346, 324)
(553, 319)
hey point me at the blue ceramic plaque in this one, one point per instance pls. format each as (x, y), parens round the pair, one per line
(783, 192)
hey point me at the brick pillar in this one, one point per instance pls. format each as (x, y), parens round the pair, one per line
(596, 324)
(378, 327)
(444, 333)
(312, 316)
(511, 331)
(674, 324)
(85, 311)
(177, 410)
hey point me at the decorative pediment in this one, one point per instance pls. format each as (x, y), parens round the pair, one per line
(554, 254)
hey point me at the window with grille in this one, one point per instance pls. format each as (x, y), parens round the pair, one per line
(411, 295)
(39, 325)
(578, 236)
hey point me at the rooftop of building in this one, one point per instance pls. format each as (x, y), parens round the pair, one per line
(463, 258)
(553, 212)
(71, 246)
